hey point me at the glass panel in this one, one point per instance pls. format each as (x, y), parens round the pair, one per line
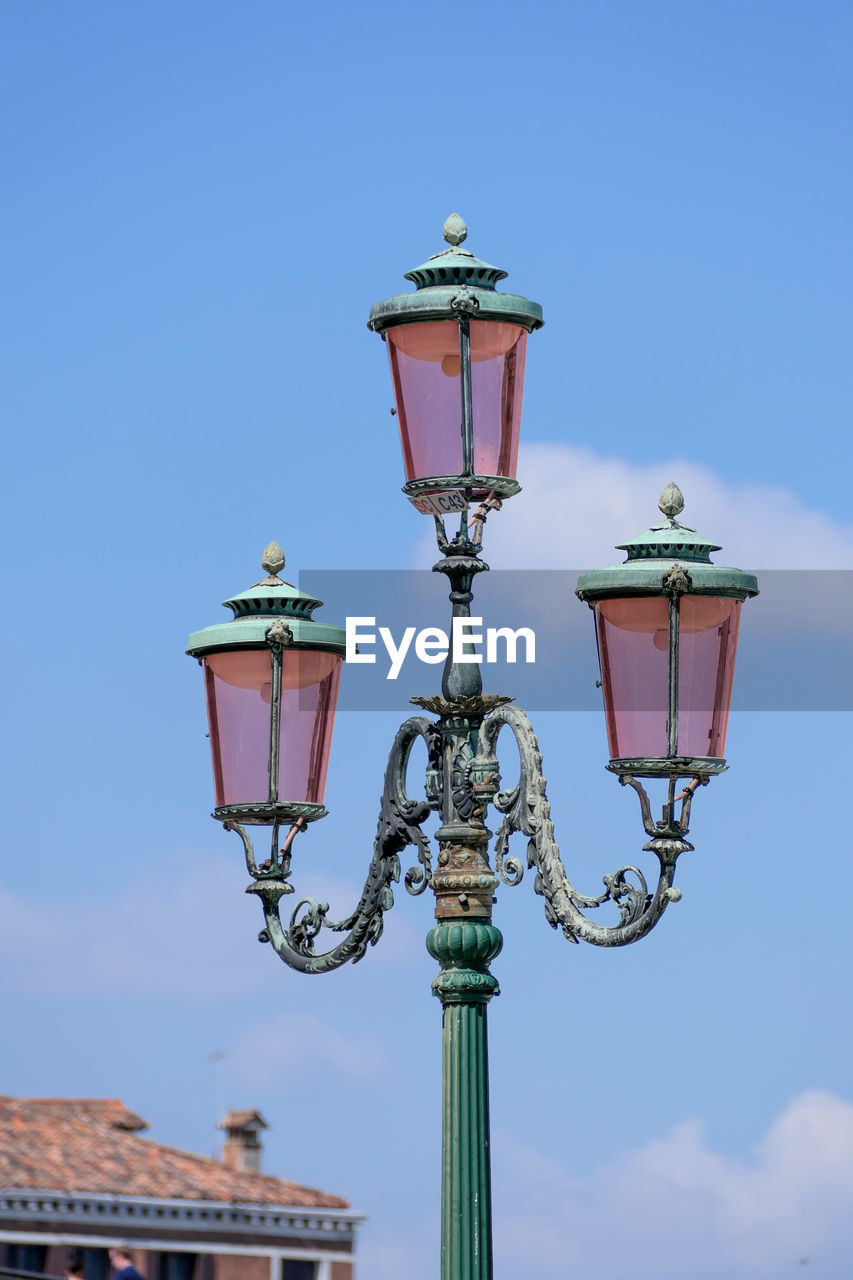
(633, 638)
(94, 1262)
(27, 1257)
(427, 390)
(238, 704)
(298, 1269)
(176, 1266)
(706, 663)
(633, 643)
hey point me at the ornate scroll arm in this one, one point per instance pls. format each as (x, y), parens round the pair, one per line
(528, 811)
(399, 826)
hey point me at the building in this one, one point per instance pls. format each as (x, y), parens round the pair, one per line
(76, 1178)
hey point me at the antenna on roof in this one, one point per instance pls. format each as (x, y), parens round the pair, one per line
(217, 1059)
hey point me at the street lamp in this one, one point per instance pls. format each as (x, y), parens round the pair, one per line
(666, 625)
(271, 677)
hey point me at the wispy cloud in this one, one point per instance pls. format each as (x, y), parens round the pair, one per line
(299, 1048)
(576, 504)
(676, 1208)
(151, 939)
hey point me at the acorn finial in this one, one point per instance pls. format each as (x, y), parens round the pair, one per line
(273, 559)
(671, 501)
(454, 230)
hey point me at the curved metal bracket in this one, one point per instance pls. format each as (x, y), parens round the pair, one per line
(528, 811)
(399, 825)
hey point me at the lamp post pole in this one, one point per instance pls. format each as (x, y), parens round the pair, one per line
(666, 626)
(464, 942)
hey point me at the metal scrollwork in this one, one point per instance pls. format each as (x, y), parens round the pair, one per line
(399, 825)
(632, 900)
(528, 811)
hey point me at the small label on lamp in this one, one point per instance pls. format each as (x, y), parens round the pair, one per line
(439, 504)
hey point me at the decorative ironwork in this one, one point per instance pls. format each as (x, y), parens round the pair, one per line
(454, 230)
(676, 581)
(462, 780)
(465, 304)
(279, 634)
(671, 501)
(503, 485)
(528, 811)
(265, 812)
(463, 775)
(399, 825)
(473, 778)
(273, 559)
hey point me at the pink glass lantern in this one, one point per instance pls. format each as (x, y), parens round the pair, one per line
(667, 628)
(633, 639)
(426, 372)
(271, 678)
(239, 695)
(457, 348)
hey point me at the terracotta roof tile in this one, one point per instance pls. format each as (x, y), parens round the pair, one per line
(88, 1146)
(110, 1110)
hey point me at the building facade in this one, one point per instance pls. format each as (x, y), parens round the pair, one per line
(76, 1179)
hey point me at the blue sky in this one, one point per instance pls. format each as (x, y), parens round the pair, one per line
(201, 204)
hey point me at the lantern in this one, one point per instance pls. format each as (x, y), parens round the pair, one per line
(456, 348)
(667, 625)
(271, 678)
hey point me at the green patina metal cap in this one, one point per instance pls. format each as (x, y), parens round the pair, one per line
(654, 553)
(255, 609)
(448, 276)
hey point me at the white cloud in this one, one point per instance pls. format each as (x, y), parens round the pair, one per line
(300, 1048)
(152, 938)
(676, 1208)
(576, 505)
(146, 939)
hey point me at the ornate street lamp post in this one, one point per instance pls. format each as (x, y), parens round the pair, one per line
(666, 625)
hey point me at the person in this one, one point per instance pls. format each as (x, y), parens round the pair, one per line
(122, 1264)
(74, 1271)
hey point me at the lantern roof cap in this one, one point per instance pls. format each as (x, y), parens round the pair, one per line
(258, 607)
(272, 595)
(450, 277)
(652, 555)
(670, 540)
(455, 264)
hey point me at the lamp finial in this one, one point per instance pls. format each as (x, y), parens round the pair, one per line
(454, 230)
(273, 559)
(671, 501)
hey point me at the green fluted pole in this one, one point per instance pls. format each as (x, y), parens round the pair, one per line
(464, 948)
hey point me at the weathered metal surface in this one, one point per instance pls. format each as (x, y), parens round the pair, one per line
(441, 280)
(653, 555)
(504, 486)
(666, 767)
(266, 812)
(399, 819)
(464, 941)
(465, 986)
(527, 811)
(271, 598)
(273, 559)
